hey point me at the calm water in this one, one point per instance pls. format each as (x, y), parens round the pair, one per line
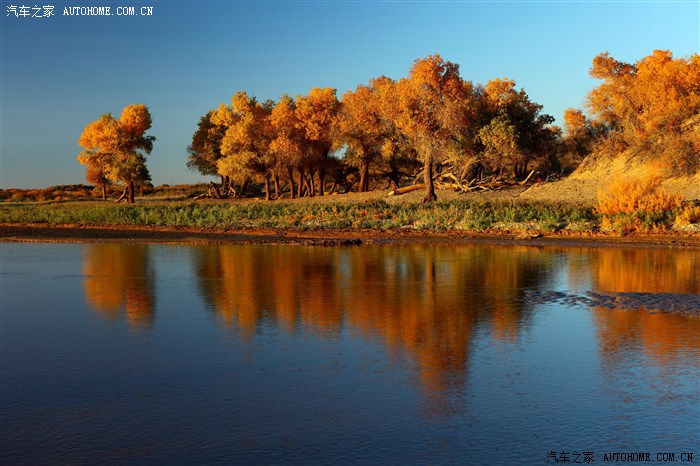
(421, 354)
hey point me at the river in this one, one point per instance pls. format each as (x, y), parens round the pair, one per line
(374, 354)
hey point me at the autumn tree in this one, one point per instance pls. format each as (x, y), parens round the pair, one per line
(579, 134)
(100, 141)
(130, 163)
(95, 173)
(205, 150)
(117, 149)
(650, 106)
(363, 129)
(429, 111)
(518, 132)
(500, 139)
(398, 157)
(289, 143)
(246, 143)
(316, 114)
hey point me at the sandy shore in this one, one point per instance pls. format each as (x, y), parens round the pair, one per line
(137, 234)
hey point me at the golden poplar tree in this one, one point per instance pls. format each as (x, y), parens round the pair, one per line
(517, 133)
(651, 106)
(289, 141)
(100, 140)
(246, 144)
(429, 110)
(363, 128)
(116, 149)
(316, 114)
(205, 150)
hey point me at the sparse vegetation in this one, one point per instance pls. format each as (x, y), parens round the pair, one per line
(81, 192)
(379, 215)
(637, 205)
(625, 207)
(689, 215)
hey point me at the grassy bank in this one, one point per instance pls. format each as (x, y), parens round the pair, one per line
(379, 215)
(452, 215)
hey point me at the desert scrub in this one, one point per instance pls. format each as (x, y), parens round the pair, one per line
(687, 217)
(637, 205)
(438, 216)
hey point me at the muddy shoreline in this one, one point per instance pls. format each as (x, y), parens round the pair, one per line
(175, 235)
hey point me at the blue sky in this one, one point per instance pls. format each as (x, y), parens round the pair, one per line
(62, 72)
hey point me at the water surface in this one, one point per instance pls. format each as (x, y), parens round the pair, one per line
(412, 354)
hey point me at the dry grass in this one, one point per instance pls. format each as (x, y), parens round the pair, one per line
(690, 215)
(637, 205)
(628, 196)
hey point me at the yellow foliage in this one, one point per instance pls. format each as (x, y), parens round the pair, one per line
(135, 120)
(627, 196)
(116, 149)
(690, 215)
(654, 101)
(317, 113)
(574, 122)
(499, 92)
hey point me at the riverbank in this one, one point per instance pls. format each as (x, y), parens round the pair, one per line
(181, 235)
(343, 219)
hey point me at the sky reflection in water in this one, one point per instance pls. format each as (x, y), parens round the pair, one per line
(389, 354)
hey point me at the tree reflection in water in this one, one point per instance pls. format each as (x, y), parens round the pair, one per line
(424, 301)
(659, 336)
(119, 280)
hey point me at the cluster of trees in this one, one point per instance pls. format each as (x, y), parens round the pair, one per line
(114, 151)
(431, 122)
(650, 108)
(431, 119)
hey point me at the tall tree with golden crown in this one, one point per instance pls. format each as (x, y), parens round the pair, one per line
(429, 110)
(317, 114)
(246, 144)
(116, 149)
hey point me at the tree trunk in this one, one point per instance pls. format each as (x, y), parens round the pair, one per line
(300, 188)
(132, 188)
(554, 162)
(104, 191)
(321, 179)
(217, 193)
(364, 177)
(267, 188)
(311, 180)
(276, 179)
(292, 193)
(307, 187)
(244, 185)
(520, 171)
(428, 177)
(224, 188)
(407, 189)
(124, 195)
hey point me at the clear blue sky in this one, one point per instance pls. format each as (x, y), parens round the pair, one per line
(62, 72)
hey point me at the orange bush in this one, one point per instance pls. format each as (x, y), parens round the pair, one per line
(690, 215)
(637, 205)
(627, 196)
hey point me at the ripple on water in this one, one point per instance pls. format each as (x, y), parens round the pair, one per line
(673, 303)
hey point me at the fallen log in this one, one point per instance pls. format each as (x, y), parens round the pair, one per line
(522, 183)
(406, 189)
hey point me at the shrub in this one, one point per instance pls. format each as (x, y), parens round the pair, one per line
(690, 215)
(629, 205)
